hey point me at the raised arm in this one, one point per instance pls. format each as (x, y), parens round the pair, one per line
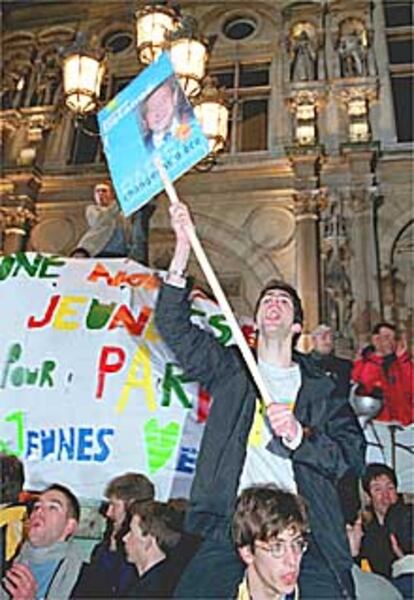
(197, 351)
(181, 223)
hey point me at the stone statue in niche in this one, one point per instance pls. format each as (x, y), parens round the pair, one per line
(353, 54)
(49, 89)
(21, 76)
(338, 288)
(303, 58)
(339, 295)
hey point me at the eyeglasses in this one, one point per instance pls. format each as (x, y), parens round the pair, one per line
(278, 548)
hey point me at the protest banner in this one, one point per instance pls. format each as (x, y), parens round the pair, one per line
(88, 390)
(150, 117)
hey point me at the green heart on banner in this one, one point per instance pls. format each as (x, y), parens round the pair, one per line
(160, 443)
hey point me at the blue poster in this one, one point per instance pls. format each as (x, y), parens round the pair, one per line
(150, 117)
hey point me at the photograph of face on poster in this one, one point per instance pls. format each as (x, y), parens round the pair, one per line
(149, 118)
(165, 115)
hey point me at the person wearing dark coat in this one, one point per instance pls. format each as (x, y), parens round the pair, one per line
(339, 371)
(304, 441)
(109, 574)
(337, 368)
(155, 549)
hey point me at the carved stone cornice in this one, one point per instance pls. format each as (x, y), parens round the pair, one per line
(17, 214)
(10, 121)
(39, 120)
(361, 199)
(356, 87)
(308, 203)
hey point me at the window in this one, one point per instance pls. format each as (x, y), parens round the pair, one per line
(239, 28)
(248, 93)
(399, 31)
(86, 147)
(400, 51)
(398, 14)
(402, 89)
(85, 141)
(117, 41)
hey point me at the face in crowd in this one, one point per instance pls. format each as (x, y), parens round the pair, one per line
(136, 543)
(384, 341)
(276, 562)
(383, 494)
(275, 315)
(104, 195)
(50, 520)
(323, 341)
(116, 512)
(159, 109)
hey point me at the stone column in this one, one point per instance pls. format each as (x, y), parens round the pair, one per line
(17, 210)
(16, 218)
(362, 200)
(363, 261)
(306, 207)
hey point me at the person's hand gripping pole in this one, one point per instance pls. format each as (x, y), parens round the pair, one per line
(186, 238)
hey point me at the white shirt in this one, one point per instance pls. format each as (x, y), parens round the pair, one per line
(262, 466)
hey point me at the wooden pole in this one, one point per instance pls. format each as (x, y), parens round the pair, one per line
(218, 292)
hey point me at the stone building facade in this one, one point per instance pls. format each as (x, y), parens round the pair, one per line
(315, 185)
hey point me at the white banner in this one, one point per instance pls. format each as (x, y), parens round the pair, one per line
(87, 388)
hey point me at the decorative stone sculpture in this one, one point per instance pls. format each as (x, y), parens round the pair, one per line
(353, 55)
(303, 58)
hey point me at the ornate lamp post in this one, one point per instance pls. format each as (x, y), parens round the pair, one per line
(189, 55)
(152, 24)
(211, 110)
(158, 27)
(83, 70)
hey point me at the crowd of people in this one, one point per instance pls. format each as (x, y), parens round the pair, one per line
(276, 509)
(146, 550)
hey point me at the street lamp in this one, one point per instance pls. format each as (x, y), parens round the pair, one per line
(211, 110)
(83, 71)
(189, 55)
(158, 28)
(152, 24)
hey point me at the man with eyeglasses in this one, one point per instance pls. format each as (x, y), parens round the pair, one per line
(304, 441)
(269, 531)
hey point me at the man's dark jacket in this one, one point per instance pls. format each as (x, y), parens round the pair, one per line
(333, 442)
(338, 369)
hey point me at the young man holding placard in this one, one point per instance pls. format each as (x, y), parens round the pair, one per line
(306, 449)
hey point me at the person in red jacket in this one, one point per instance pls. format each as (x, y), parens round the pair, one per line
(386, 369)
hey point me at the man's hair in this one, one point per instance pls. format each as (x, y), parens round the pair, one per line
(379, 326)
(74, 510)
(320, 329)
(106, 182)
(262, 512)
(130, 487)
(399, 521)
(278, 284)
(375, 470)
(156, 520)
(11, 478)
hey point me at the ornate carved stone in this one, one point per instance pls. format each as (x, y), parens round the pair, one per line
(303, 50)
(308, 203)
(10, 121)
(17, 214)
(337, 288)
